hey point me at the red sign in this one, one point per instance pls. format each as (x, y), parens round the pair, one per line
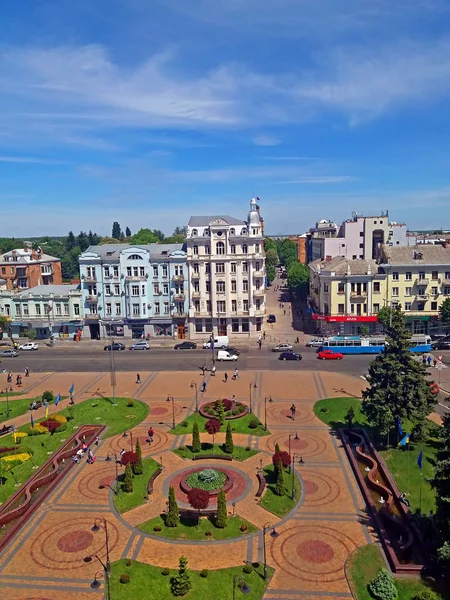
(344, 319)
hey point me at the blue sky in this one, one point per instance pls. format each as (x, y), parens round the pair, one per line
(148, 111)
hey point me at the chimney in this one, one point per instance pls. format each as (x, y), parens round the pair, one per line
(328, 258)
(349, 271)
(369, 270)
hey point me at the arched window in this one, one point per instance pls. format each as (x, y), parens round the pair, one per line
(220, 248)
(207, 249)
(243, 231)
(232, 231)
(194, 233)
(195, 249)
(135, 257)
(244, 249)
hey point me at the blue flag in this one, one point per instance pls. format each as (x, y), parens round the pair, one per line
(72, 389)
(404, 440)
(420, 459)
(57, 399)
(32, 421)
(399, 427)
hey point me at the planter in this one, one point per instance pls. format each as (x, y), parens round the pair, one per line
(229, 417)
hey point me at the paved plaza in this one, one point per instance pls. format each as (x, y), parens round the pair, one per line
(45, 560)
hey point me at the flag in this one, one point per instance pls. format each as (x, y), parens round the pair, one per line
(399, 427)
(72, 389)
(57, 399)
(45, 403)
(420, 459)
(32, 421)
(404, 440)
(46, 411)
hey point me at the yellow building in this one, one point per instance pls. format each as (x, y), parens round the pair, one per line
(346, 294)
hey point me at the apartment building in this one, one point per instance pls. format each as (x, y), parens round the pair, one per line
(348, 293)
(51, 310)
(134, 291)
(227, 279)
(25, 268)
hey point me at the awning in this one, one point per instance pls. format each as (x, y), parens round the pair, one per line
(345, 318)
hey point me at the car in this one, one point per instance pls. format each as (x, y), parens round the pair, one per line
(9, 353)
(290, 356)
(186, 346)
(115, 346)
(226, 355)
(282, 348)
(271, 319)
(141, 345)
(329, 355)
(221, 341)
(441, 345)
(314, 343)
(29, 346)
(232, 350)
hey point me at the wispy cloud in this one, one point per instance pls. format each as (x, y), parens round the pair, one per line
(30, 160)
(289, 158)
(266, 140)
(319, 179)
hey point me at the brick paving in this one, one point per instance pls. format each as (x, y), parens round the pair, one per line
(46, 559)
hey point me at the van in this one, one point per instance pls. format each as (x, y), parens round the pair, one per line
(225, 355)
(221, 341)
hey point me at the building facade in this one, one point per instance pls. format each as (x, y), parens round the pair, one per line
(226, 272)
(51, 310)
(134, 291)
(26, 268)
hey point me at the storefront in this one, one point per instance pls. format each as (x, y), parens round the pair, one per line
(67, 329)
(329, 325)
(418, 323)
(161, 327)
(113, 328)
(137, 327)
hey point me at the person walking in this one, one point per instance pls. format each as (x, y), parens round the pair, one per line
(236, 374)
(18, 380)
(203, 386)
(264, 335)
(203, 367)
(429, 360)
(293, 410)
(259, 343)
(27, 372)
(225, 377)
(9, 378)
(150, 434)
(138, 378)
(213, 371)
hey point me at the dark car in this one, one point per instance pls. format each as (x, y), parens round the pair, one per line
(232, 350)
(9, 353)
(271, 319)
(290, 356)
(115, 346)
(186, 346)
(442, 345)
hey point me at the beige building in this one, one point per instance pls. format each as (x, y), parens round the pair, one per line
(346, 294)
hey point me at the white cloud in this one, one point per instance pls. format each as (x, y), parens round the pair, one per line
(266, 140)
(29, 160)
(319, 179)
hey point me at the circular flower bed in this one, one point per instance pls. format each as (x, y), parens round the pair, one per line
(233, 409)
(207, 479)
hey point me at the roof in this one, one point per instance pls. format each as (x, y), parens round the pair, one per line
(206, 221)
(340, 265)
(25, 257)
(45, 290)
(408, 255)
(113, 250)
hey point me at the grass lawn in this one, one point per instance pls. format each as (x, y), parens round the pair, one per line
(147, 583)
(238, 425)
(16, 408)
(100, 410)
(279, 505)
(240, 453)
(11, 394)
(332, 411)
(188, 530)
(364, 565)
(126, 501)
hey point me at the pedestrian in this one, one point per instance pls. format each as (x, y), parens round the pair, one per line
(297, 341)
(259, 343)
(225, 377)
(236, 374)
(284, 311)
(264, 335)
(9, 378)
(203, 386)
(213, 371)
(150, 434)
(18, 380)
(424, 359)
(71, 400)
(138, 378)
(435, 361)
(97, 440)
(27, 372)
(429, 360)
(122, 452)
(203, 369)
(293, 411)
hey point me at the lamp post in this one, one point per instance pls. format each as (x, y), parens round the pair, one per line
(239, 581)
(113, 372)
(266, 398)
(250, 386)
(170, 398)
(292, 433)
(96, 582)
(273, 534)
(194, 385)
(108, 459)
(106, 566)
(296, 455)
(7, 402)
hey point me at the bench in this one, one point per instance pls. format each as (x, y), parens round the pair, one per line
(151, 481)
(6, 430)
(36, 404)
(212, 456)
(190, 514)
(262, 484)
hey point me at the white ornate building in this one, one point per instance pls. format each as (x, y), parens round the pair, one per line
(227, 278)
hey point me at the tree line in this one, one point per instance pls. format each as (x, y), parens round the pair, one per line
(285, 252)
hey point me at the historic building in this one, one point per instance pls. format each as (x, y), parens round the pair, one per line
(25, 268)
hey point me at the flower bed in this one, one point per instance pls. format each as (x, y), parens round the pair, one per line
(193, 480)
(233, 409)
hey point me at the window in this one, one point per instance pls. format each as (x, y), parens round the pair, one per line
(221, 306)
(395, 291)
(408, 276)
(245, 285)
(66, 309)
(244, 267)
(108, 308)
(106, 271)
(376, 308)
(135, 272)
(107, 290)
(434, 291)
(420, 306)
(352, 309)
(258, 284)
(208, 286)
(235, 325)
(447, 274)
(257, 248)
(58, 309)
(142, 290)
(233, 267)
(135, 257)
(220, 287)
(421, 291)
(135, 310)
(234, 306)
(395, 276)
(257, 265)
(325, 287)
(118, 309)
(354, 257)
(37, 309)
(207, 269)
(341, 288)
(135, 290)
(245, 305)
(156, 288)
(220, 267)
(128, 271)
(220, 248)
(447, 291)
(92, 290)
(208, 307)
(232, 231)
(155, 270)
(196, 287)
(4, 270)
(116, 271)
(341, 309)
(244, 249)
(196, 268)
(258, 304)
(194, 233)
(361, 245)
(197, 305)
(76, 310)
(142, 271)
(408, 291)
(434, 306)
(232, 249)
(198, 326)
(233, 285)
(157, 308)
(116, 289)
(144, 308)
(164, 270)
(245, 325)
(434, 275)
(166, 308)
(208, 325)
(421, 274)
(361, 234)
(376, 287)
(244, 231)
(26, 311)
(207, 249)
(166, 288)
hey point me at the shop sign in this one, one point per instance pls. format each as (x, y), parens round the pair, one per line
(345, 319)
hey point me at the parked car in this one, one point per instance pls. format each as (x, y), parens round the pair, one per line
(232, 350)
(221, 341)
(186, 346)
(141, 345)
(329, 355)
(314, 343)
(225, 355)
(282, 348)
(115, 346)
(442, 345)
(9, 353)
(290, 356)
(29, 346)
(271, 319)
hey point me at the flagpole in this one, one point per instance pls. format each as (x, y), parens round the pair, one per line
(420, 494)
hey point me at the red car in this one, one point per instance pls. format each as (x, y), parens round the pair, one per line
(329, 355)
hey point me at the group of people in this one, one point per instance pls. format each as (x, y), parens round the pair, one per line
(429, 359)
(84, 450)
(9, 376)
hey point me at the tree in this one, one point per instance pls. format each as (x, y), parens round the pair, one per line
(383, 586)
(212, 426)
(287, 251)
(280, 487)
(277, 448)
(116, 231)
(180, 231)
(297, 275)
(129, 457)
(271, 273)
(272, 257)
(196, 445)
(127, 232)
(128, 479)
(30, 334)
(198, 499)
(363, 330)
(70, 241)
(173, 513)
(82, 241)
(221, 518)
(138, 468)
(282, 457)
(5, 325)
(220, 411)
(384, 316)
(158, 235)
(229, 445)
(444, 311)
(143, 237)
(441, 483)
(350, 417)
(398, 385)
(180, 584)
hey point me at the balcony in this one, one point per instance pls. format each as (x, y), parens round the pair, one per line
(91, 298)
(196, 294)
(419, 281)
(421, 297)
(90, 278)
(358, 295)
(92, 316)
(179, 297)
(136, 277)
(179, 314)
(195, 275)
(259, 292)
(258, 274)
(46, 270)
(446, 281)
(178, 277)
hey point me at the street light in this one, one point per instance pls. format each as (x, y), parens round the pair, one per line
(250, 386)
(108, 459)
(273, 534)
(106, 566)
(300, 462)
(113, 372)
(239, 581)
(172, 399)
(7, 402)
(266, 398)
(96, 583)
(295, 434)
(194, 385)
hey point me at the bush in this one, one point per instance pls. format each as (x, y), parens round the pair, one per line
(383, 586)
(243, 527)
(248, 568)
(198, 499)
(18, 437)
(235, 412)
(59, 418)
(37, 430)
(181, 584)
(282, 457)
(426, 595)
(51, 425)
(173, 513)
(324, 409)
(247, 448)
(130, 457)
(128, 562)
(70, 413)
(165, 572)
(128, 479)
(4, 450)
(182, 448)
(158, 528)
(254, 424)
(204, 573)
(196, 445)
(48, 396)
(124, 578)
(130, 402)
(241, 408)
(227, 404)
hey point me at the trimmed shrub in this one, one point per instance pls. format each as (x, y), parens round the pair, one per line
(229, 445)
(51, 425)
(283, 457)
(253, 424)
(17, 458)
(165, 571)
(184, 424)
(221, 517)
(243, 527)
(138, 468)
(383, 586)
(277, 448)
(204, 573)
(48, 396)
(124, 578)
(173, 513)
(241, 408)
(181, 584)
(128, 479)
(235, 412)
(248, 568)
(280, 488)
(182, 448)
(70, 413)
(59, 418)
(128, 562)
(37, 430)
(220, 411)
(129, 457)
(196, 445)
(198, 499)
(130, 402)
(158, 528)
(426, 595)
(247, 448)
(8, 450)
(18, 437)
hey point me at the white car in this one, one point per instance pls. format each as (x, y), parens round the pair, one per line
(29, 346)
(282, 348)
(142, 345)
(315, 343)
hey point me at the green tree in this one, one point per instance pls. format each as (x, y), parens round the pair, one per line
(383, 586)
(444, 311)
(272, 257)
(143, 237)
(297, 275)
(173, 513)
(277, 448)
(363, 330)
(441, 483)
(384, 316)
(287, 251)
(220, 411)
(180, 231)
(221, 518)
(82, 241)
(180, 584)
(128, 479)
(271, 273)
(196, 445)
(398, 384)
(30, 334)
(280, 487)
(158, 235)
(350, 417)
(116, 231)
(70, 241)
(229, 444)
(138, 468)
(127, 232)
(5, 325)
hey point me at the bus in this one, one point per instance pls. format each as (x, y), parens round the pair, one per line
(355, 344)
